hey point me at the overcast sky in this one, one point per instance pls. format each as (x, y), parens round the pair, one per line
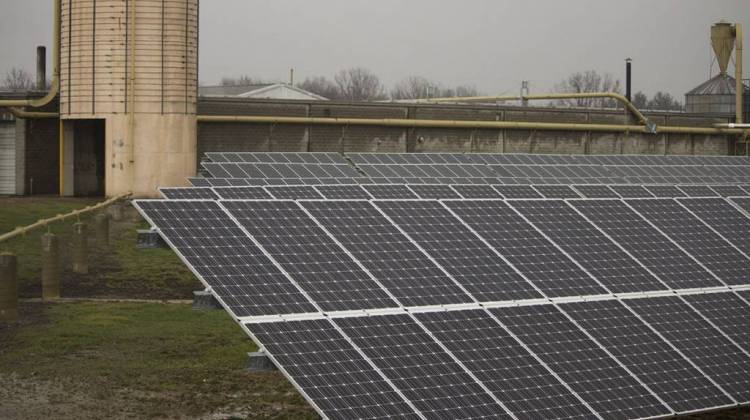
(492, 44)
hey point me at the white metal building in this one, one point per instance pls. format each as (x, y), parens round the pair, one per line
(264, 91)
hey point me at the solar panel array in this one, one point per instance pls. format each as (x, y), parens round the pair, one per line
(472, 300)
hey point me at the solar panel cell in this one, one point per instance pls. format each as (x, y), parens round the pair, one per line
(330, 371)
(529, 251)
(386, 253)
(312, 259)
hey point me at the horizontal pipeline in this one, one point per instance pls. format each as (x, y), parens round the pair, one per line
(44, 222)
(510, 125)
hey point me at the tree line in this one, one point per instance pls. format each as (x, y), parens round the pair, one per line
(361, 84)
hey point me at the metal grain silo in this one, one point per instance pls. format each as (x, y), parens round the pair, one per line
(128, 79)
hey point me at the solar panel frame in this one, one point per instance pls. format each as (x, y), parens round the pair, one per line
(728, 312)
(723, 219)
(682, 385)
(595, 191)
(343, 192)
(593, 251)
(235, 249)
(242, 193)
(327, 273)
(556, 191)
(394, 260)
(408, 362)
(656, 251)
(697, 338)
(434, 191)
(312, 365)
(187, 193)
(688, 232)
(525, 248)
(631, 191)
(476, 191)
(503, 362)
(614, 392)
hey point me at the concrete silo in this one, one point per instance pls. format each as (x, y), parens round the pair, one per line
(128, 89)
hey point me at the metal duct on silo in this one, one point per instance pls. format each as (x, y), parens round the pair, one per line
(722, 41)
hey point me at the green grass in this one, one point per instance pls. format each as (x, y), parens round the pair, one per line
(119, 270)
(173, 361)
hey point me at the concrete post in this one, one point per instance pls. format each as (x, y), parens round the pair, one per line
(116, 211)
(50, 266)
(101, 227)
(8, 287)
(80, 249)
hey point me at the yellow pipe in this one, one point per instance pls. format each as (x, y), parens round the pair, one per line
(44, 222)
(56, 69)
(512, 125)
(739, 86)
(29, 115)
(612, 95)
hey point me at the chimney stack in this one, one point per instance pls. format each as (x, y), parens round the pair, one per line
(41, 68)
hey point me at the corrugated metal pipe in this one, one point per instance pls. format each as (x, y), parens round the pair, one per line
(55, 65)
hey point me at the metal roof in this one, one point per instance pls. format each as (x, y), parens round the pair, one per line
(721, 84)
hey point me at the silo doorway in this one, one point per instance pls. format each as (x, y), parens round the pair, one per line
(83, 158)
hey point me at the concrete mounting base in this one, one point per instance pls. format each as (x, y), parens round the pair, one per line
(204, 301)
(148, 238)
(258, 361)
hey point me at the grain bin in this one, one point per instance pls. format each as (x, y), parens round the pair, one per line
(128, 78)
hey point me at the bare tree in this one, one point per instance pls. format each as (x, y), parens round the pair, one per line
(416, 87)
(321, 86)
(18, 79)
(241, 81)
(359, 84)
(664, 102)
(640, 100)
(588, 82)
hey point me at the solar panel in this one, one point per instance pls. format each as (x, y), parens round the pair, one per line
(556, 191)
(697, 191)
(476, 191)
(649, 246)
(188, 193)
(584, 243)
(330, 371)
(743, 203)
(294, 192)
(517, 191)
(326, 272)
(728, 311)
(341, 192)
(664, 370)
(611, 391)
(434, 191)
(703, 344)
(729, 190)
(525, 385)
(277, 157)
(701, 242)
(473, 264)
(530, 252)
(428, 376)
(224, 258)
(631, 191)
(595, 191)
(724, 218)
(665, 191)
(242, 193)
(389, 192)
(199, 182)
(385, 252)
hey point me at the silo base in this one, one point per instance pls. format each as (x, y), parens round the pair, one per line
(159, 152)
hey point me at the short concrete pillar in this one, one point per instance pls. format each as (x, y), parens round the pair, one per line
(204, 301)
(80, 249)
(50, 266)
(116, 211)
(8, 287)
(258, 361)
(101, 228)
